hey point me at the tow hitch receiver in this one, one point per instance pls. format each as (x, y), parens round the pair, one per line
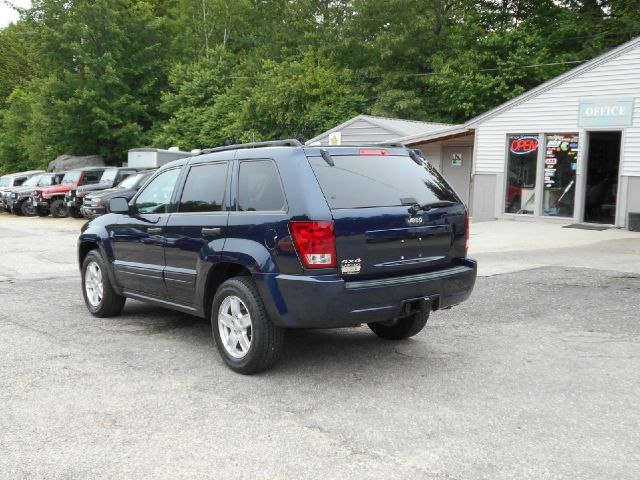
(414, 305)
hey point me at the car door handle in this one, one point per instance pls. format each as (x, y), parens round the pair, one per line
(211, 232)
(154, 230)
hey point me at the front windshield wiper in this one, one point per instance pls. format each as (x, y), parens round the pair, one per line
(425, 207)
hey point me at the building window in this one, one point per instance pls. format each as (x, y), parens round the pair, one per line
(521, 173)
(560, 163)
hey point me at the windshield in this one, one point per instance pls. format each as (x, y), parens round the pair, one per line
(32, 181)
(360, 181)
(46, 180)
(109, 175)
(71, 177)
(132, 180)
(5, 181)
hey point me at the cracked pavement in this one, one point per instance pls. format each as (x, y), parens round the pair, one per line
(536, 376)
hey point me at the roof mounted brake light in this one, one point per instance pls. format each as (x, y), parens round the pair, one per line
(374, 151)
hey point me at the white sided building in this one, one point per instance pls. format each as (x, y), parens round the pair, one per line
(568, 149)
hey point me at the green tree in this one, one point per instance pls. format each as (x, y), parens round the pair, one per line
(15, 121)
(190, 101)
(103, 64)
(103, 76)
(16, 58)
(297, 98)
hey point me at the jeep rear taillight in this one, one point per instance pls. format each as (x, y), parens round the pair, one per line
(315, 243)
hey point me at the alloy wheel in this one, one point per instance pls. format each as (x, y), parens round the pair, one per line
(234, 325)
(93, 284)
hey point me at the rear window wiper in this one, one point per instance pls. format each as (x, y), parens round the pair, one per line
(425, 207)
(326, 156)
(418, 158)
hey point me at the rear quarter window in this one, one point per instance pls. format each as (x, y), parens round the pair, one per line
(361, 181)
(91, 177)
(259, 187)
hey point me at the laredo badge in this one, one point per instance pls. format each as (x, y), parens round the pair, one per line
(350, 266)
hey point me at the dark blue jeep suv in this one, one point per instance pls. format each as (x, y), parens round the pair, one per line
(264, 237)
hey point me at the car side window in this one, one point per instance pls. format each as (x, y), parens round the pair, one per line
(259, 187)
(156, 197)
(204, 189)
(91, 178)
(122, 174)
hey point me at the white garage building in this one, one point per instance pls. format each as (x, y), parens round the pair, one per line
(568, 149)
(369, 129)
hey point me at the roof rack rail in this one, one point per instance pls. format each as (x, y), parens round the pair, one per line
(291, 142)
(391, 145)
(370, 145)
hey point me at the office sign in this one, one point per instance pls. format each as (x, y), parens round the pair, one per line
(606, 112)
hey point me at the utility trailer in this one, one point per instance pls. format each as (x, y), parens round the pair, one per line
(143, 158)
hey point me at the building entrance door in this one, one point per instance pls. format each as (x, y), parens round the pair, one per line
(456, 169)
(603, 163)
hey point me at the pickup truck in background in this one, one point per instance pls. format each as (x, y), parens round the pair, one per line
(111, 177)
(51, 199)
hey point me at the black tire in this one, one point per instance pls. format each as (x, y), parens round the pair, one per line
(401, 328)
(26, 209)
(17, 210)
(111, 304)
(42, 212)
(75, 213)
(267, 340)
(59, 209)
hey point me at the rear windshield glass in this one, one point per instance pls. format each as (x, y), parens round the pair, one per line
(359, 181)
(109, 175)
(71, 177)
(32, 181)
(130, 181)
(47, 181)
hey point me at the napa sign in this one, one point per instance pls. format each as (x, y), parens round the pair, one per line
(606, 112)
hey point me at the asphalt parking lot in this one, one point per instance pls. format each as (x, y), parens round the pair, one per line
(535, 377)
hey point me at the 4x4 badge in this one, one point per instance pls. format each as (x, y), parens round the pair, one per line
(350, 266)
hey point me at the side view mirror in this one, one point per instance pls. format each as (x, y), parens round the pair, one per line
(119, 205)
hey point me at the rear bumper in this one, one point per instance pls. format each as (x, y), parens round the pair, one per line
(327, 301)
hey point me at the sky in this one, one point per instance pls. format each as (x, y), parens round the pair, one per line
(7, 14)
